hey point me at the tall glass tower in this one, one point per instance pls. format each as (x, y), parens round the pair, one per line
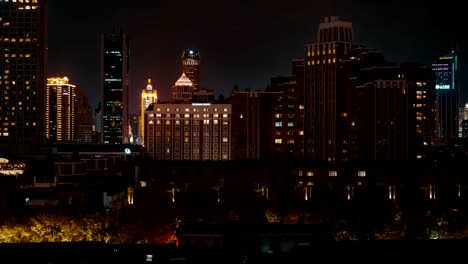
(447, 97)
(114, 81)
(191, 67)
(22, 80)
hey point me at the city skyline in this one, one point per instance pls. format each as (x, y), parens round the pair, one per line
(240, 44)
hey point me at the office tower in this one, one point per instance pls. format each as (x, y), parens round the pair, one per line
(184, 131)
(447, 97)
(148, 96)
(60, 110)
(22, 84)
(191, 67)
(182, 91)
(114, 79)
(326, 98)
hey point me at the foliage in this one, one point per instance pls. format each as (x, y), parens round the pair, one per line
(92, 226)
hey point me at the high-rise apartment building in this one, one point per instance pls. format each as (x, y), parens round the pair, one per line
(114, 79)
(148, 96)
(184, 131)
(326, 108)
(60, 109)
(191, 67)
(22, 82)
(447, 97)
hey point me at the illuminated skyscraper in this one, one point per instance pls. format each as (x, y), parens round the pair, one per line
(60, 110)
(148, 96)
(114, 80)
(22, 83)
(191, 67)
(447, 97)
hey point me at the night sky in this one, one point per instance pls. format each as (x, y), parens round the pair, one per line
(240, 42)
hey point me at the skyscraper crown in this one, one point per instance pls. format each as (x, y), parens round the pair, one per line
(334, 29)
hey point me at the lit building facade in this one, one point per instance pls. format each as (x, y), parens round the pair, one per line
(197, 131)
(191, 67)
(60, 110)
(447, 97)
(182, 91)
(148, 96)
(22, 83)
(114, 79)
(325, 95)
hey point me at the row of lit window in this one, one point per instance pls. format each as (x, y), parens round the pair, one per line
(332, 173)
(13, 55)
(27, 7)
(191, 62)
(330, 51)
(281, 115)
(14, 124)
(190, 116)
(193, 109)
(280, 124)
(20, 1)
(206, 134)
(289, 133)
(318, 61)
(16, 40)
(280, 141)
(187, 122)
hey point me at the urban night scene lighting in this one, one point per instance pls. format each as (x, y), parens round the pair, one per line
(224, 132)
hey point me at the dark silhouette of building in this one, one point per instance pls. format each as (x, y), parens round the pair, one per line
(114, 79)
(358, 106)
(22, 63)
(84, 128)
(269, 124)
(328, 117)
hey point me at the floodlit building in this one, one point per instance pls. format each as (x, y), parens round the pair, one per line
(196, 131)
(148, 96)
(60, 115)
